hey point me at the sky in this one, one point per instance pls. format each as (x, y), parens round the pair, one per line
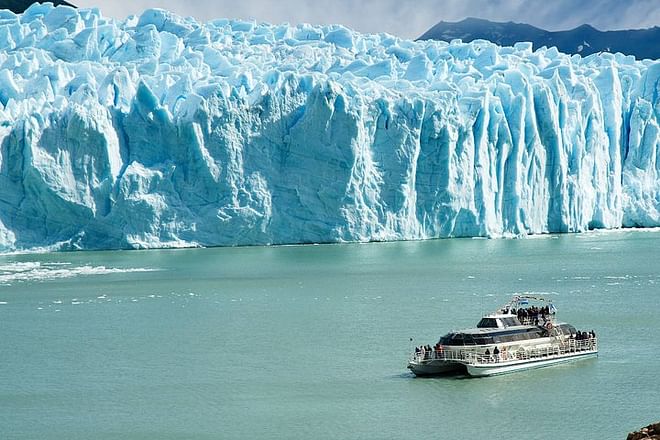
(405, 18)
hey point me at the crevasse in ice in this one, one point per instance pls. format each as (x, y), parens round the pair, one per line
(162, 131)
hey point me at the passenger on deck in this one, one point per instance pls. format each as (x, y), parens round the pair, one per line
(592, 339)
(487, 355)
(496, 354)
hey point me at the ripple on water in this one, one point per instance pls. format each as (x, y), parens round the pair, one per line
(37, 271)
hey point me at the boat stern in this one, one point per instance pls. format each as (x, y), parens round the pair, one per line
(434, 367)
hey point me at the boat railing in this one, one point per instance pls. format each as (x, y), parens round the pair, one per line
(477, 356)
(542, 320)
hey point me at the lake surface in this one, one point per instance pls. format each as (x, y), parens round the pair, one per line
(312, 341)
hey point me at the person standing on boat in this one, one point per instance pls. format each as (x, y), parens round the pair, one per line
(496, 354)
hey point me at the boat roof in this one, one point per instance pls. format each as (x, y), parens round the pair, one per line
(500, 315)
(524, 299)
(500, 330)
(503, 322)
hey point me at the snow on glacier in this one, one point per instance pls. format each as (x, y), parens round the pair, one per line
(162, 131)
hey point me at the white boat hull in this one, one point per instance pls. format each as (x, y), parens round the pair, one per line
(495, 368)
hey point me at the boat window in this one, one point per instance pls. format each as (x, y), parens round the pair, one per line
(482, 340)
(446, 340)
(454, 339)
(487, 323)
(567, 329)
(469, 340)
(535, 333)
(510, 321)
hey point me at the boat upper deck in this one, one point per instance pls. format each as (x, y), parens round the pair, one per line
(474, 355)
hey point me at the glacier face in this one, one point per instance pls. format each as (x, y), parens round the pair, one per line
(162, 131)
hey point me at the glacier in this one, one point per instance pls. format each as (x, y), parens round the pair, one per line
(161, 131)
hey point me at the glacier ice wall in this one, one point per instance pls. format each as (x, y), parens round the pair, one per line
(162, 131)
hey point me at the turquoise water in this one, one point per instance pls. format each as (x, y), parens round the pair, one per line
(312, 341)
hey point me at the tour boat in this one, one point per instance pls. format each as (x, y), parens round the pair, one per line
(516, 337)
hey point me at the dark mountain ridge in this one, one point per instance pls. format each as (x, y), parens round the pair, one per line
(583, 40)
(19, 6)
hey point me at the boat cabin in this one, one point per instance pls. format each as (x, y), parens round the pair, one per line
(499, 329)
